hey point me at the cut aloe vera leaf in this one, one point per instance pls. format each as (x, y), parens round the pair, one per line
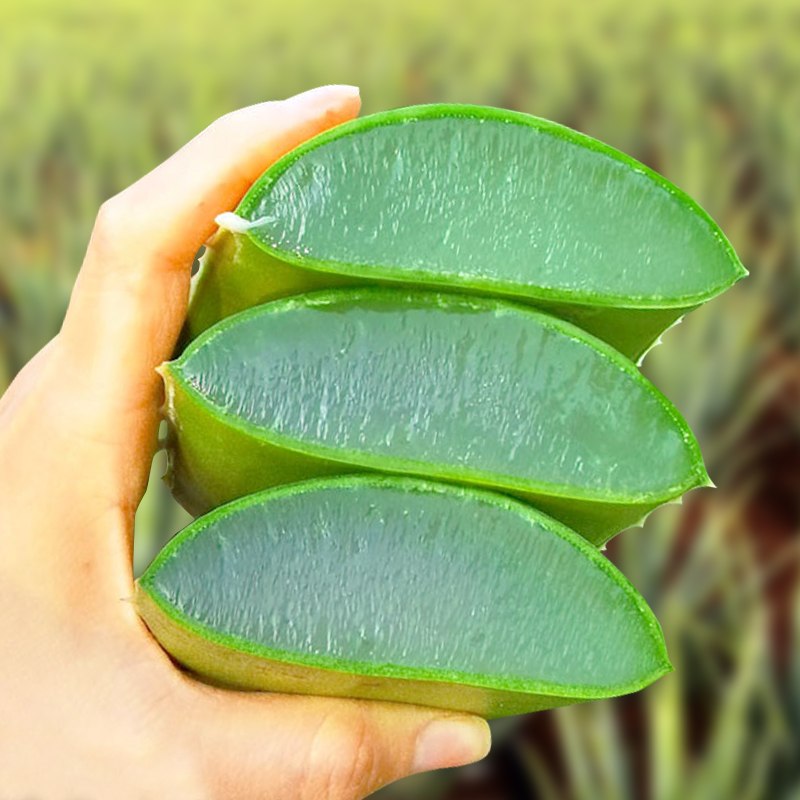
(445, 386)
(472, 199)
(404, 590)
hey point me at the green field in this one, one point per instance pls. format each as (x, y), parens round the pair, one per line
(706, 93)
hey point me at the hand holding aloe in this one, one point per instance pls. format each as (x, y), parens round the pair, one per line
(453, 294)
(81, 679)
(82, 660)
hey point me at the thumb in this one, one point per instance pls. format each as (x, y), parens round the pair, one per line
(289, 746)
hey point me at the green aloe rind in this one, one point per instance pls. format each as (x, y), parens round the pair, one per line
(477, 200)
(443, 386)
(404, 590)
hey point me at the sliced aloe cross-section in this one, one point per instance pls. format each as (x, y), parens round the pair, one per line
(472, 199)
(445, 386)
(403, 590)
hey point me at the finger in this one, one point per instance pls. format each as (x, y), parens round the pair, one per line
(328, 747)
(130, 298)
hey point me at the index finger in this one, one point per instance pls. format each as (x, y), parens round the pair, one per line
(129, 301)
(155, 227)
(177, 202)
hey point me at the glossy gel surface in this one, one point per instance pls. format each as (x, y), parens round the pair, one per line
(476, 200)
(477, 391)
(465, 194)
(403, 578)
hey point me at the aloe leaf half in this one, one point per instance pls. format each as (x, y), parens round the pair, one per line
(402, 590)
(457, 388)
(477, 200)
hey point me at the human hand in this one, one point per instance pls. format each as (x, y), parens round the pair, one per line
(92, 707)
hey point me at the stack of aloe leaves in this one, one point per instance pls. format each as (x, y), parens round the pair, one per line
(407, 403)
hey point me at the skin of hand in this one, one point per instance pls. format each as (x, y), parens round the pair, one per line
(90, 706)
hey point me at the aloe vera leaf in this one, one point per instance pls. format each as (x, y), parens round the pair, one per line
(404, 590)
(474, 199)
(236, 274)
(456, 388)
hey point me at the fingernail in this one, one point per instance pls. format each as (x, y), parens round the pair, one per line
(451, 743)
(327, 93)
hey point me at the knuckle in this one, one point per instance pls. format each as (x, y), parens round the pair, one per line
(222, 121)
(109, 229)
(119, 260)
(225, 123)
(363, 757)
(345, 757)
(109, 217)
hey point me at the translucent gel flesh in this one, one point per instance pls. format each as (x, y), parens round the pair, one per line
(497, 200)
(415, 579)
(472, 385)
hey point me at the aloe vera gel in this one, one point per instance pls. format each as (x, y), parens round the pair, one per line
(402, 590)
(406, 403)
(462, 389)
(476, 200)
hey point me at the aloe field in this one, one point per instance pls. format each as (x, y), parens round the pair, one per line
(706, 93)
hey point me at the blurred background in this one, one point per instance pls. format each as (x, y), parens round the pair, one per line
(94, 95)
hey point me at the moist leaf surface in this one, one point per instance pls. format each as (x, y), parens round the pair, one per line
(485, 196)
(405, 578)
(446, 386)
(476, 200)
